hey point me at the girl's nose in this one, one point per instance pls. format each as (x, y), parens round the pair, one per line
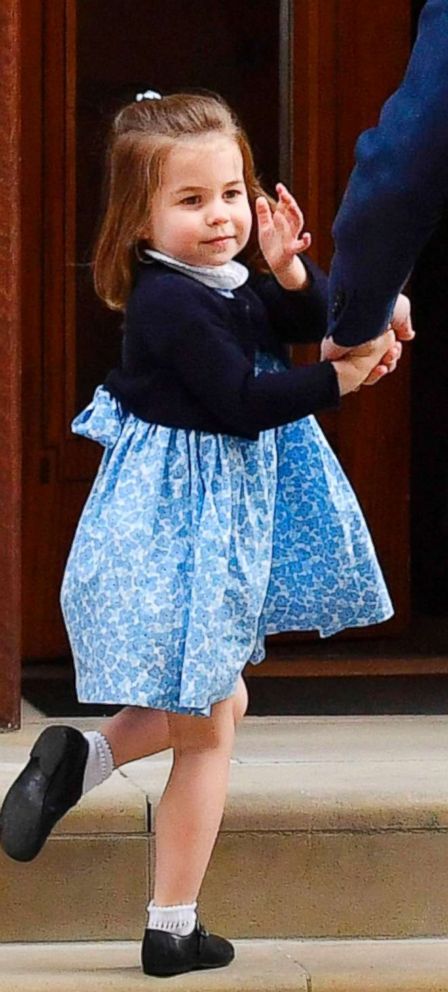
(218, 213)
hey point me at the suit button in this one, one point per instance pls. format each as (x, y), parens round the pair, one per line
(338, 303)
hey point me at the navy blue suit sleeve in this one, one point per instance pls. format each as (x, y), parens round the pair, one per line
(191, 338)
(397, 192)
(296, 316)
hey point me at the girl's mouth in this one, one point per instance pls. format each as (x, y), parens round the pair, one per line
(220, 241)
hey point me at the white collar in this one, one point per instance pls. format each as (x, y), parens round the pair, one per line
(230, 275)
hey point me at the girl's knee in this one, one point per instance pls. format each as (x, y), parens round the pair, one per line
(190, 734)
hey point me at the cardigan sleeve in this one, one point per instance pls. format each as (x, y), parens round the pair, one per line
(189, 336)
(297, 316)
(397, 192)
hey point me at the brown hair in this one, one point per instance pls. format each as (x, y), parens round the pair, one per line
(142, 135)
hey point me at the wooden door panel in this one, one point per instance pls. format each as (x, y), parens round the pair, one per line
(10, 434)
(343, 72)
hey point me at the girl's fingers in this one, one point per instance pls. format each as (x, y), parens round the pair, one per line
(287, 197)
(303, 243)
(264, 213)
(265, 223)
(295, 244)
(289, 205)
(276, 231)
(298, 245)
(280, 222)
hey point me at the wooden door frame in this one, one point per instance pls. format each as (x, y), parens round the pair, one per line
(10, 366)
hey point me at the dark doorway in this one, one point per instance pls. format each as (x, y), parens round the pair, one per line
(429, 480)
(124, 49)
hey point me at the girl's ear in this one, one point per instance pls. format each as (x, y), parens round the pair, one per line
(139, 248)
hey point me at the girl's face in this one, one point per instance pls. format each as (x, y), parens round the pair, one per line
(201, 213)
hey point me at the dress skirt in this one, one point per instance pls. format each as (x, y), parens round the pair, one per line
(192, 547)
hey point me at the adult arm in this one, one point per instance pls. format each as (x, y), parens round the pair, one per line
(397, 192)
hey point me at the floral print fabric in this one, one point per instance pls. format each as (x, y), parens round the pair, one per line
(193, 546)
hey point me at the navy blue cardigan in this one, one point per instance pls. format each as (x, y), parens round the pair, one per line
(188, 353)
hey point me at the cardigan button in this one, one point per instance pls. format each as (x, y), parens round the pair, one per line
(338, 303)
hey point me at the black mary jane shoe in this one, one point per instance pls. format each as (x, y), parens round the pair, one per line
(50, 784)
(165, 954)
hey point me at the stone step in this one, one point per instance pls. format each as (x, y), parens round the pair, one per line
(259, 966)
(333, 828)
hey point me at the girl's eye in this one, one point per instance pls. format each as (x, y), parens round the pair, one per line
(233, 193)
(191, 201)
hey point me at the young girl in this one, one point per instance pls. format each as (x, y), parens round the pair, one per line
(219, 513)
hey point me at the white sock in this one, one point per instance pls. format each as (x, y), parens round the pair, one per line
(180, 920)
(100, 761)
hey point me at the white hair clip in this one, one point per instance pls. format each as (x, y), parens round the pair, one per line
(148, 95)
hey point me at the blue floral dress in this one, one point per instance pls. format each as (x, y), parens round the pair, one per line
(193, 546)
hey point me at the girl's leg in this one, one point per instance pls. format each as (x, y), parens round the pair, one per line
(69, 766)
(135, 732)
(240, 701)
(138, 731)
(191, 808)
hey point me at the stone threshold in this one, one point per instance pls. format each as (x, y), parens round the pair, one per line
(259, 966)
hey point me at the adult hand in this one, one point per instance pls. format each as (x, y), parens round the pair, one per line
(389, 361)
(401, 325)
(354, 370)
(401, 321)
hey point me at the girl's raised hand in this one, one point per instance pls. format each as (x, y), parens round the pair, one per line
(280, 238)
